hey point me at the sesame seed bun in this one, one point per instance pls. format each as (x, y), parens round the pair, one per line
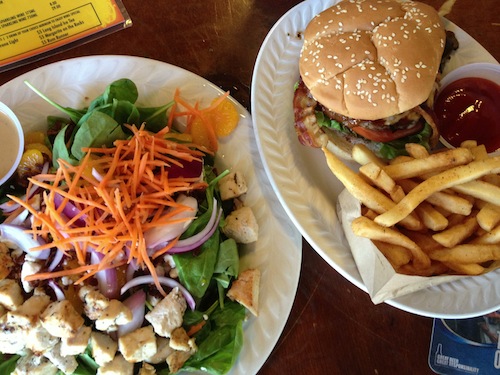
(372, 59)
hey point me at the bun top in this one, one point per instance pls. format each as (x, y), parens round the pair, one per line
(371, 59)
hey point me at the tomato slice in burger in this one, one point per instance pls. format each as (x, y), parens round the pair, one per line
(384, 135)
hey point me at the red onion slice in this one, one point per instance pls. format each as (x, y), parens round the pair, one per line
(21, 218)
(23, 240)
(131, 268)
(167, 281)
(57, 290)
(136, 303)
(70, 210)
(167, 232)
(99, 177)
(198, 239)
(10, 206)
(57, 259)
(107, 279)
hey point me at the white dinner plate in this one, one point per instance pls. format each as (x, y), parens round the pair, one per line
(307, 189)
(277, 253)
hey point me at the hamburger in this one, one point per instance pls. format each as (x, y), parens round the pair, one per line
(368, 74)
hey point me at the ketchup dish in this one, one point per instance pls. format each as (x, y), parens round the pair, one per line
(467, 106)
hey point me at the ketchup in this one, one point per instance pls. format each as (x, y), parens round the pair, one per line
(469, 109)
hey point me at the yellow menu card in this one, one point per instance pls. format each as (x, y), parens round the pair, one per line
(30, 30)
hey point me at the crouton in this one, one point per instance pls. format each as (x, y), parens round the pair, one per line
(232, 185)
(245, 290)
(241, 226)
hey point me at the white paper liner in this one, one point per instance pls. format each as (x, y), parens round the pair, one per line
(379, 277)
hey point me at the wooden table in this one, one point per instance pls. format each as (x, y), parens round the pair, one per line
(333, 328)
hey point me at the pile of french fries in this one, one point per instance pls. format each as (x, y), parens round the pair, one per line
(428, 213)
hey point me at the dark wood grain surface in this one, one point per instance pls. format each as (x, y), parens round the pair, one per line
(333, 328)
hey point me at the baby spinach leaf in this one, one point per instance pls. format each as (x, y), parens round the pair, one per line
(74, 114)
(224, 359)
(125, 112)
(121, 89)
(223, 280)
(8, 364)
(60, 150)
(155, 118)
(228, 260)
(196, 269)
(231, 314)
(86, 364)
(218, 351)
(97, 130)
(121, 111)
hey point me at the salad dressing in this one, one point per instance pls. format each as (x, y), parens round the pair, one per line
(10, 144)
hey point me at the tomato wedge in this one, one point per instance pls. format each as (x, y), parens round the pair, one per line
(385, 135)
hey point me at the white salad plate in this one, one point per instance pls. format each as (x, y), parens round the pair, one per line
(307, 189)
(277, 253)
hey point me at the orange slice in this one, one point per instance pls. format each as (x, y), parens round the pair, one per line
(34, 137)
(40, 147)
(225, 118)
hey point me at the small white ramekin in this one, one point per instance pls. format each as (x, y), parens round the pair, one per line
(487, 71)
(9, 116)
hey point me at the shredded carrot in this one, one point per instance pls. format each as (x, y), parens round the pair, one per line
(134, 194)
(195, 328)
(120, 192)
(50, 275)
(200, 125)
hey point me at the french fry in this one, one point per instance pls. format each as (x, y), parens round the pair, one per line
(480, 189)
(466, 269)
(365, 227)
(490, 237)
(479, 152)
(455, 219)
(467, 254)
(428, 213)
(395, 254)
(366, 212)
(450, 202)
(423, 240)
(363, 155)
(433, 163)
(469, 143)
(457, 233)
(449, 178)
(401, 159)
(432, 218)
(379, 178)
(492, 178)
(436, 268)
(362, 191)
(416, 150)
(488, 216)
